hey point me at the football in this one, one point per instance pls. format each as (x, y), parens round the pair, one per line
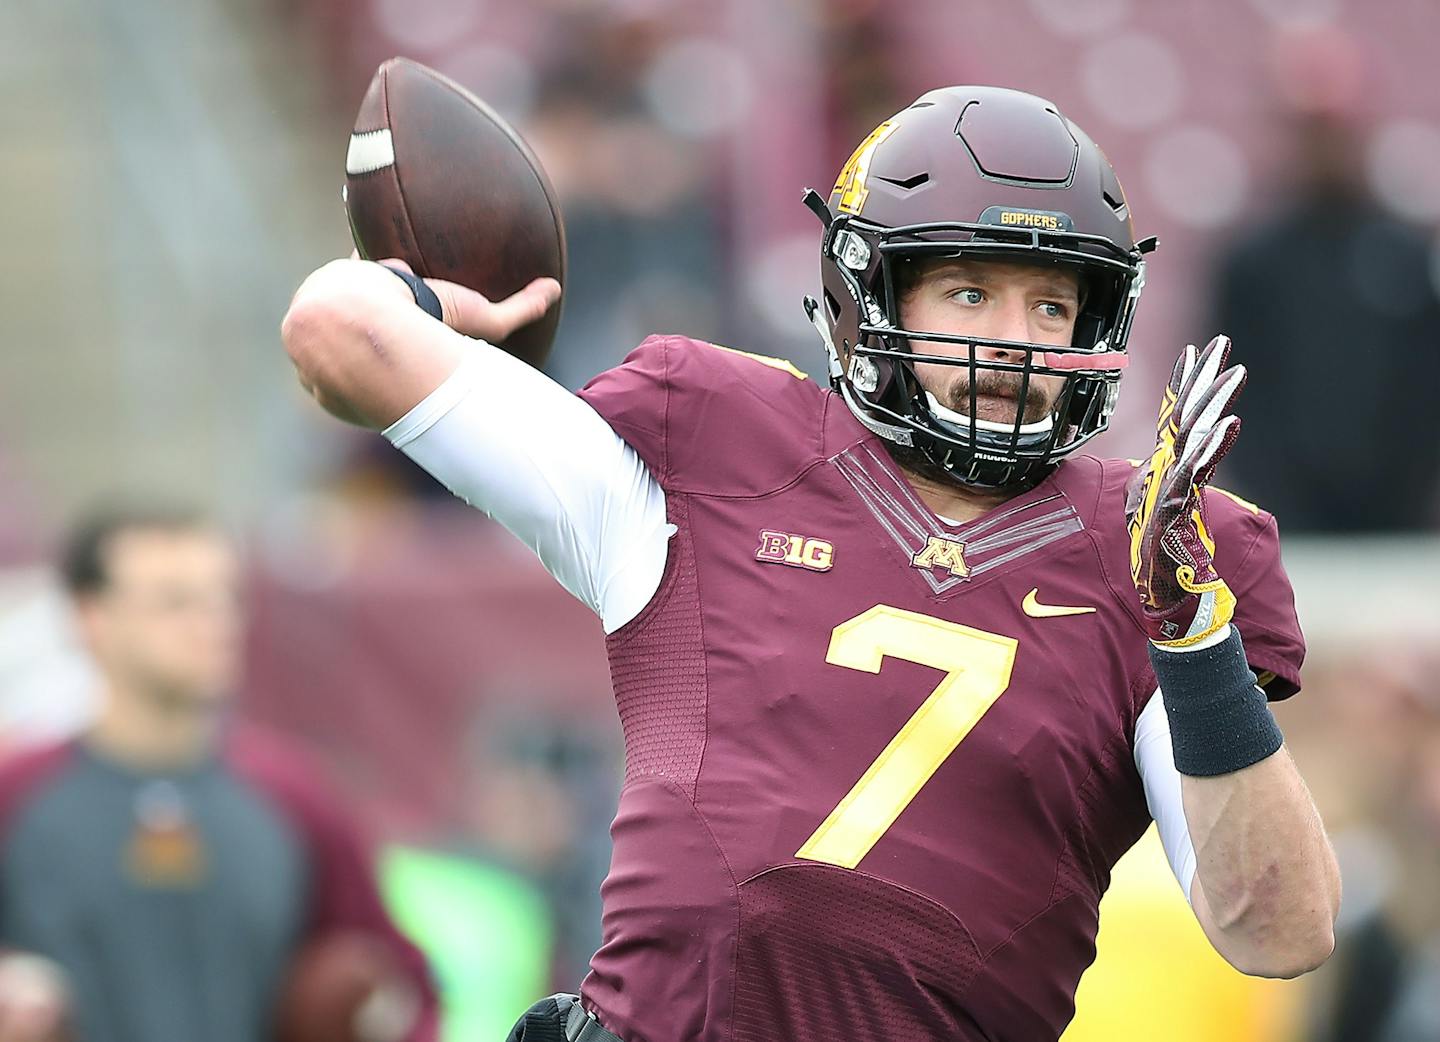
(434, 177)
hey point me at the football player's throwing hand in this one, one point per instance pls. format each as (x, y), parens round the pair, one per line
(476, 315)
(1171, 551)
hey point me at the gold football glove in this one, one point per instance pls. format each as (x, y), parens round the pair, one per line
(1171, 551)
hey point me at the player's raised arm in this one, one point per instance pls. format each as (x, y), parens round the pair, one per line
(433, 177)
(1267, 886)
(572, 489)
(368, 354)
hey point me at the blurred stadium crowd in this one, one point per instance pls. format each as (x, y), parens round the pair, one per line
(172, 171)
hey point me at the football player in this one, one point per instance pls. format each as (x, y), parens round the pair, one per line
(901, 672)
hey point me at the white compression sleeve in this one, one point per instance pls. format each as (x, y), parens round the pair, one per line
(511, 442)
(1156, 760)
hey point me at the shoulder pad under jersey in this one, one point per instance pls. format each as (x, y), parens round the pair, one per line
(712, 420)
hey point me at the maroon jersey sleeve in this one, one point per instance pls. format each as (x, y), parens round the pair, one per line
(1247, 555)
(344, 894)
(24, 771)
(22, 774)
(711, 420)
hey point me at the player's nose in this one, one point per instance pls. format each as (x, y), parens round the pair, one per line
(1011, 322)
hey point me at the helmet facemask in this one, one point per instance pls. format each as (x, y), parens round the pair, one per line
(876, 372)
(982, 174)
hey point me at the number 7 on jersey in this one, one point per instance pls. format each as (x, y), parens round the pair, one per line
(977, 668)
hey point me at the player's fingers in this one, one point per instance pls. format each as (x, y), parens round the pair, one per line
(392, 262)
(1156, 477)
(1220, 343)
(526, 306)
(1175, 489)
(1187, 365)
(1180, 372)
(1210, 407)
(1215, 448)
(1166, 422)
(1170, 401)
(1207, 367)
(475, 315)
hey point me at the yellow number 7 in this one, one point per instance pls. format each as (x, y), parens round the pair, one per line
(977, 672)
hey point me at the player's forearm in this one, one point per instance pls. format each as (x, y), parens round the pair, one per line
(360, 345)
(1267, 888)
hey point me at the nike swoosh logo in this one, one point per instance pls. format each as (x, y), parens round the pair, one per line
(1036, 610)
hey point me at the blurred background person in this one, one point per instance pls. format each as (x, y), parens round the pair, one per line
(1335, 302)
(524, 853)
(1385, 983)
(634, 190)
(482, 753)
(161, 872)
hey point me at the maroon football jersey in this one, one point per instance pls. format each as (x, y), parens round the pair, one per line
(878, 767)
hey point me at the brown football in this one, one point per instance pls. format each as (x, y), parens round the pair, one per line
(434, 177)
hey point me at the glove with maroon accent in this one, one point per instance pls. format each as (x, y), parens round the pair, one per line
(1185, 601)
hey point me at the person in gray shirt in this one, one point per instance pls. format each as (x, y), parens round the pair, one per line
(160, 873)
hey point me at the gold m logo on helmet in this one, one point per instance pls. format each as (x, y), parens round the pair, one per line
(941, 552)
(851, 183)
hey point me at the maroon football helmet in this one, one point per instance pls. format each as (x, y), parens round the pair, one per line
(980, 173)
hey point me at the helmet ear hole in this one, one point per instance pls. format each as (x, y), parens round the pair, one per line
(832, 306)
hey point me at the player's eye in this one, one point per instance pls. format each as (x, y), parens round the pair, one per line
(1050, 309)
(969, 295)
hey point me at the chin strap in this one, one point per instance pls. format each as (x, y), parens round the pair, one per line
(959, 419)
(832, 357)
(899, 435)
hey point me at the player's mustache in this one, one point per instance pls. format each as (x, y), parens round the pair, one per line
(998, 385)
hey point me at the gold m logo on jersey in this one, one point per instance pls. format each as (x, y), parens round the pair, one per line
(797, 551)
(850, 185)
(941, 552)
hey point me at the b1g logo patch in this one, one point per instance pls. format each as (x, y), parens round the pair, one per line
(941, 552)
(796, 551)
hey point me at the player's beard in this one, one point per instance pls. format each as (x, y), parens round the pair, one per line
(998, 385)
(956, 397)
(917, 461)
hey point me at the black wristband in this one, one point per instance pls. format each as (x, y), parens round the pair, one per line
(423, 294)
(1219, 720)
